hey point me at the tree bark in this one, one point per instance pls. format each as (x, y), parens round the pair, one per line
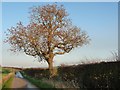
(50, 63)
(51, 68)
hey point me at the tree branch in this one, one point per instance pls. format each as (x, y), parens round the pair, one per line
(59, 53)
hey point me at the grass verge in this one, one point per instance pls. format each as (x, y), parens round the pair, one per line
(39, 83)
(8, 83)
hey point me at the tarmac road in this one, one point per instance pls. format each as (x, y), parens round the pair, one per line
(20, 82)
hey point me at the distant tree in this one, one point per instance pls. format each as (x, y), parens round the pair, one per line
(49, 33)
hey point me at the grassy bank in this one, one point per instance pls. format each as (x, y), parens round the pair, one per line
(7, 78)
(8, 83)
(37, 82)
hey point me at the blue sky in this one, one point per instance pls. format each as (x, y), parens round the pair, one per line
(99, 20)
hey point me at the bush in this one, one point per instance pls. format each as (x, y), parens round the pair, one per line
(99, 75)
(102, 75)
(37, 72)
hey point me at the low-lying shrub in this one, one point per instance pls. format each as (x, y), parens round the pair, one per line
(98, 75)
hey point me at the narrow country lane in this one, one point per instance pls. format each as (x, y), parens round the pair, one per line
(20, 82)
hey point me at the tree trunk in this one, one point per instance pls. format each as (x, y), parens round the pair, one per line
(50, 63)
(51, 68)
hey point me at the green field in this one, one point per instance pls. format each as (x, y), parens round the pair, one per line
(5, 72)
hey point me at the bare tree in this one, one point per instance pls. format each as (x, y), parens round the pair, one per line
(49, 33)
(115, 55)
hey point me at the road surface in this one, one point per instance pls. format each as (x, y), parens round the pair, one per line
(20, 82)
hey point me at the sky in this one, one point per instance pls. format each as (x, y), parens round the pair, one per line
(60, 0)
(98, 19)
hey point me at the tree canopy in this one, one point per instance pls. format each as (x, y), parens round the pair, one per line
(50, 32)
